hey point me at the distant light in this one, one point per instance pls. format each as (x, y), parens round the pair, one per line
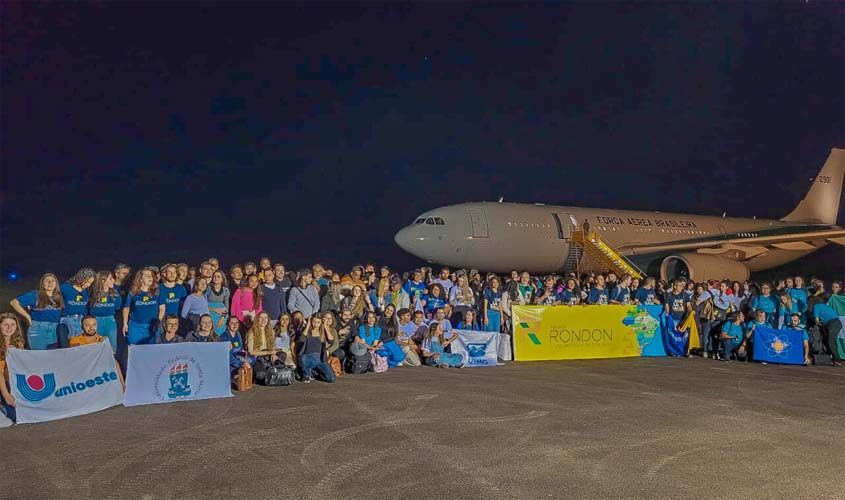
(13, 276)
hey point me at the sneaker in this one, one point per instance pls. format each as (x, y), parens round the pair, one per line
(461, 365)
(307, 380)
(401, 363)
(443, 365)
(705, 355)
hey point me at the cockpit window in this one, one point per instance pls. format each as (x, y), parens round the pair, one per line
(419, 221)
(438, 221)
(429, 221)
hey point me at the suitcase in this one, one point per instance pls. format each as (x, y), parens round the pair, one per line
(243, 379)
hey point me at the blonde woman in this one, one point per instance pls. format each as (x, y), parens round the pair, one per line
(311, 351)
(379, 297)
(461, 297)
(261, 345)
(11, 337)
(284, 335)
(358, 302)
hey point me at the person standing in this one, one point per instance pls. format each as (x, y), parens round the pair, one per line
(218, 296)
(170, 293)
(75, 296)
(41, 309)
(104, 302)
(304, 298)
(246, 302)
(272, 297)
(141, 309)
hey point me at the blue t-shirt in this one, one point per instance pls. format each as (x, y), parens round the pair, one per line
(733, 330)
(76, 302)
(767, 304)
(106, 306)
(143, 307)
(415, 290)
(597, 296)
(568, 297)
(622, 295)
(799, 298)
(645, 296)
(494, 299)
(48, 314)
(799, 328)
(369, 335)
(677, 304)
(824, 313)
(171, 297)
(432, 303)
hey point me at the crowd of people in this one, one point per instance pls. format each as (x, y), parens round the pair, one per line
(323, 324)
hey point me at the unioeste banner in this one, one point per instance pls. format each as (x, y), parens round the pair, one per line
(62, 383)
(582, 332)
(164, 373)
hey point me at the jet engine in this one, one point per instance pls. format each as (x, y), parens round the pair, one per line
(701, 267)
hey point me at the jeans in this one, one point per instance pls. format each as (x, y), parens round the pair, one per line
(69, 326)
(107, 327)
(729, 346)
(138, 333)
(831, 330)
(311, 362)
(705, 336)
(393, 353)
(42, 335)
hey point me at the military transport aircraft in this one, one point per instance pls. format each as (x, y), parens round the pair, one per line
(501, 237)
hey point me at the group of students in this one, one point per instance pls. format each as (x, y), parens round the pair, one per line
(322, 323)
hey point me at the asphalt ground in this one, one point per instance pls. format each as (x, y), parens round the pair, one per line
(636, 428)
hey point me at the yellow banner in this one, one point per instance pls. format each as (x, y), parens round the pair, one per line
(572, 332)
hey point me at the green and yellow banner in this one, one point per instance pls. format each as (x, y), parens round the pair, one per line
(580, 332)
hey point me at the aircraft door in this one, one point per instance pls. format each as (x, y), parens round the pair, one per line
(564, 223)
(479, 223)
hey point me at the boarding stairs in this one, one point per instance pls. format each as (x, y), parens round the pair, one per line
(597, 253)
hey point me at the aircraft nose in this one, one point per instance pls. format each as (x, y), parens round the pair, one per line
(403, 238)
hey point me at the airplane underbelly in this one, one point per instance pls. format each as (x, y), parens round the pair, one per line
(524, 255)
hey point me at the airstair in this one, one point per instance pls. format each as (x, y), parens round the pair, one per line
(599, 256)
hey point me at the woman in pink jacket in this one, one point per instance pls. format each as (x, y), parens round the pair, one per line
(246, 302)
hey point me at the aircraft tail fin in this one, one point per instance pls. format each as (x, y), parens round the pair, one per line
(822, 202)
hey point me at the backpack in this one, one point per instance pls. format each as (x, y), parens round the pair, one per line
(379, 363)
(708, 310)
(358, 364)
(278, 375)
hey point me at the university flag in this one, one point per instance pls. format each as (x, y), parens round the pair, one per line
(62, 383)
(837, 303)
(778, 346)
(164, 373)
(477, 348)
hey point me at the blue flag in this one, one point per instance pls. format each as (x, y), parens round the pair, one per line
(676, 340)
(778, 346)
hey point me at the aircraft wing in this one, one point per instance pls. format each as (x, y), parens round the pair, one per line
(808, 239)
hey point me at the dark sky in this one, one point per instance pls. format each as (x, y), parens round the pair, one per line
(148, 133)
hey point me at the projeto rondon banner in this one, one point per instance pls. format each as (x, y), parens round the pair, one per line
(165, 373)
(61, 383)
(586, 332)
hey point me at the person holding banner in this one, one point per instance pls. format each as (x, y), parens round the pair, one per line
(677, 303)
(598, 294)
(103, 304)
(42, 310)
(646, 295)
(733, 335)
(795, 325)
(433, 349)
(12, 338)
(141, 309)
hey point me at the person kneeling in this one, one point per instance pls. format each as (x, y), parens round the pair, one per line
(433, 349)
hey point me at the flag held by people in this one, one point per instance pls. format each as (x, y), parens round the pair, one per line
(778, 346)
(680, 339)
(477, 348)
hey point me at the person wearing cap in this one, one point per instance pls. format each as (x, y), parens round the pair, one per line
(397, 296)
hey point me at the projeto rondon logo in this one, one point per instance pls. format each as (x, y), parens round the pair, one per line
(36, 388)
(530, 326)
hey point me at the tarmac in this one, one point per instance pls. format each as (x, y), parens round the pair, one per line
(638, 428)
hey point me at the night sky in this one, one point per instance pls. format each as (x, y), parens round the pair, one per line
(151, 133)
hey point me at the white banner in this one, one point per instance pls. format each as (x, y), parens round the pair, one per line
(163, 373)
(62, 383)
(477, 348)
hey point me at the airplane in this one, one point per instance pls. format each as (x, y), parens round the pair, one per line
(500, 237)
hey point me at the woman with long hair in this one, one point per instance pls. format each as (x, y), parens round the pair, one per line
(332, 346)
(311, 351)
(378, 296)
(786, 309)
(246, 302)
(283, 337)
(469, 322)
(433, 349)
(434, 300)
(331, 301)
(204, 332)
(389, 325)
(461, 296)
(141, 309)
(492, 305)
(358, 302)
(11, 337)
(75, 295)
(41, 309)
(103, 304)
(218, 300)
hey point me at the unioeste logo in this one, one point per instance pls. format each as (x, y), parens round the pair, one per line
(36, 388)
